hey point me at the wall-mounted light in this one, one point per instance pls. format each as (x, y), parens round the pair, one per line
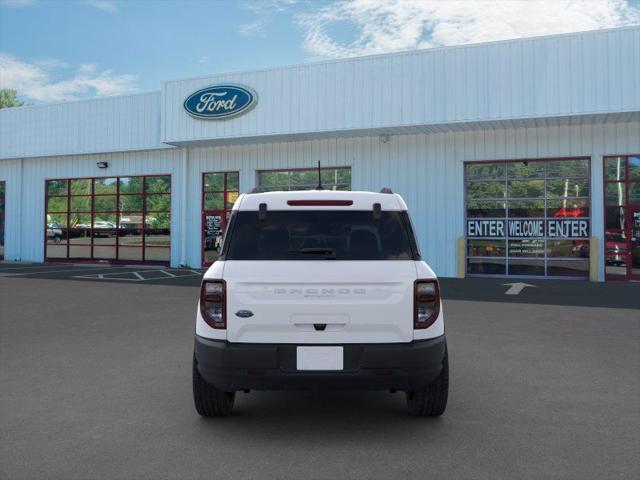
(102, 164)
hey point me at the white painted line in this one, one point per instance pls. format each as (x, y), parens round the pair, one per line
(138, 275)
(104, 277)
(516, 288)
(113, 277)
(168, 274)
(163, 278)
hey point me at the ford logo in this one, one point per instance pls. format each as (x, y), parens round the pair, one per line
(244, 313)
(220, 101)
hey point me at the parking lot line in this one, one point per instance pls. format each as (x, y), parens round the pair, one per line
(21, 274)
(139, 275)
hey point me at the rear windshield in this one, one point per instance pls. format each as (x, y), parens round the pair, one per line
(320, 235)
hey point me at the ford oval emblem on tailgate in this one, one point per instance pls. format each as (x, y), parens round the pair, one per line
(244, 313)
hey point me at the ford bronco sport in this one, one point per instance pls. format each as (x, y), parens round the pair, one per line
(320, 290)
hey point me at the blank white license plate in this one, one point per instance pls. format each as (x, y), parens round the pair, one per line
(320, 358)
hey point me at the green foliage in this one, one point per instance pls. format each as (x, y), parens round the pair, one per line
(8, 98)
(332, 179)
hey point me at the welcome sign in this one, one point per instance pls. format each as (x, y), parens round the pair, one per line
(529, 228)
(219, 102)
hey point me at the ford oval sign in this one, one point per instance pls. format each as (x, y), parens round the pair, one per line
(220, 101)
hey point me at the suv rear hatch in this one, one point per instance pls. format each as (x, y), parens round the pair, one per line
(320, 276)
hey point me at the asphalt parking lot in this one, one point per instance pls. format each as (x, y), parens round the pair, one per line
(95, 383)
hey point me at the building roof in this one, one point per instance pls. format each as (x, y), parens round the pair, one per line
(560, 79)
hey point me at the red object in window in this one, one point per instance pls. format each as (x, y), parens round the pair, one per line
(569, 212)
(319, 203)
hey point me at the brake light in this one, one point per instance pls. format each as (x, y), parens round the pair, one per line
(426, 303)
(319, 203)
(213, 299)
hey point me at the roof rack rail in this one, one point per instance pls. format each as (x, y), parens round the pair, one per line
(386, 190)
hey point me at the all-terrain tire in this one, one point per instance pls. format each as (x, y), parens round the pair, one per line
(209, 401)
(431, 401)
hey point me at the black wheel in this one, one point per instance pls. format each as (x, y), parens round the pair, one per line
(209, 401)
(431, 401)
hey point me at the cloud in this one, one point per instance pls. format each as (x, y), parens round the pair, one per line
(36, 81)
(388, 25)
(269, 6)
(252, 29)
(51, 63)
(104, 5)
(264, 10)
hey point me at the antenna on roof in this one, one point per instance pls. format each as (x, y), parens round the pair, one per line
(319, 187)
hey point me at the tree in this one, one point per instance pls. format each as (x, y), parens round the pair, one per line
(8, 98)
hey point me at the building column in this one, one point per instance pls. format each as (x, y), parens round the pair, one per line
(184, 201)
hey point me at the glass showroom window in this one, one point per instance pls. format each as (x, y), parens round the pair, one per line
(333, 178)
(219, 192)
(116, 219)
(528, 218)
(622, 217)
(2, 210)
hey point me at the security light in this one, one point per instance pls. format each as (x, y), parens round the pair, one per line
(102, 164)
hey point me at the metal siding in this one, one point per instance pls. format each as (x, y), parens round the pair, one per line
(29, 247)
(90, 126)
(533, 81)
(11, 174)
(555, 76)
(426, 169)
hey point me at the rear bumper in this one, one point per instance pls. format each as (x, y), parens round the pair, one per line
(253, 366)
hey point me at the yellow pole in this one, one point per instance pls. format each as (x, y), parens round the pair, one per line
(593, 259)
(462, 257)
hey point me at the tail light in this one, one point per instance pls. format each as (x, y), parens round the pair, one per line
(426, 303)
(213, 299)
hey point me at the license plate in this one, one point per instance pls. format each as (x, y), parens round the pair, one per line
(320, 358)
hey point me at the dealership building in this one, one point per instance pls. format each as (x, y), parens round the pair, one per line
(516, 158)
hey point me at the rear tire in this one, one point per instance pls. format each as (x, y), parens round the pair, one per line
(209, 401)
(431, 401)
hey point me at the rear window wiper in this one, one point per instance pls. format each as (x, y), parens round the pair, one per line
(330, 253)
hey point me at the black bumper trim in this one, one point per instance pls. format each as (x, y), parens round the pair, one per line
(253, 366)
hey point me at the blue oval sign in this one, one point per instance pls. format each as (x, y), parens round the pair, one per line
(220, 101)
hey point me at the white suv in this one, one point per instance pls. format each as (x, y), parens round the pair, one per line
(320, 290)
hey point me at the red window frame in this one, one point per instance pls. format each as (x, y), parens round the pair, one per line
(628, 209)
(224, 212)
(117, 212)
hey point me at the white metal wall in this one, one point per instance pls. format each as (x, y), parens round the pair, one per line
(427, 169)
(25, 200)
(112, 124)
(569, 76)
(11, 173)
(555, 76)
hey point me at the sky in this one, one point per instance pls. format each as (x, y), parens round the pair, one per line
(59, 50)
